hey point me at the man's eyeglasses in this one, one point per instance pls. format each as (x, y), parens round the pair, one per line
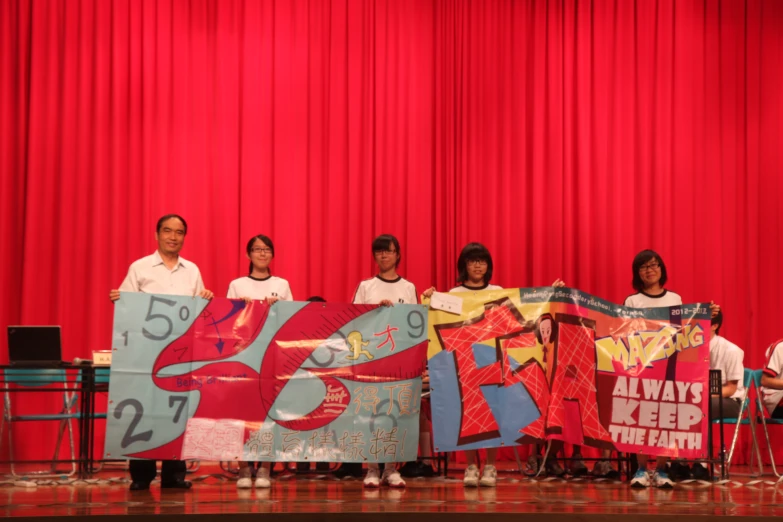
(477, 262)
(261, 250)
(380, 253)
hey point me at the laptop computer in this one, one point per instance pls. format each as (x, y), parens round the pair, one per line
(34, 346)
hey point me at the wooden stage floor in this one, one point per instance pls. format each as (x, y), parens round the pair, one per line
(294, 498)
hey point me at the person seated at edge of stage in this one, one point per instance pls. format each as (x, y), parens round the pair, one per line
(728, 358)
(772, 380)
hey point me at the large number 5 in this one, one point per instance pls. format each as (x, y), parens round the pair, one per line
(151, 317)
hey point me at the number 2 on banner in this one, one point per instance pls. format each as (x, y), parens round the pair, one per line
(129, 438)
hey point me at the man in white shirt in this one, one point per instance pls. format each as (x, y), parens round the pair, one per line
(728, 358)
(772, 380)
(163, 272)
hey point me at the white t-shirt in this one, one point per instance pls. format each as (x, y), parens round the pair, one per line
(375, 290)
(151, 276)
(259, 289)
(774, 369)
(727, 357)
(642, 300)
(463, 288)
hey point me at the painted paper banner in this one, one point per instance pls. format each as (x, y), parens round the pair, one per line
(225, 380)
(533, 364)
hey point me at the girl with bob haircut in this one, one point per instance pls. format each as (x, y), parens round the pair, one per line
(474, 273)
(259, 285)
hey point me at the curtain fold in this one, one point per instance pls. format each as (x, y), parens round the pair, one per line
(565, 135)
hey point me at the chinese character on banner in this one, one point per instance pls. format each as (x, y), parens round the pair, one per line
(322, 445)
(389, 337)
(260, 444)
(352, 446)
(334, 399)
(384, 443)
(367, 399)
(403, 399)
(291, 445)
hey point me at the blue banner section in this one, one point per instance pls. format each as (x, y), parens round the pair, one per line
(226, 380)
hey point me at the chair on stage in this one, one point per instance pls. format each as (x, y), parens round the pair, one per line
(745, 418)
(31, 379)
(761, 416)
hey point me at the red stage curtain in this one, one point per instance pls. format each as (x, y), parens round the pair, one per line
(564, 135)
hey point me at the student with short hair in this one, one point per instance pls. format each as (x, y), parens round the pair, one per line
(474, 273)
(387, 288)
(259, 285)
(649, 280)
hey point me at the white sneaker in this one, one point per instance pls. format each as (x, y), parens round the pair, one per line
(245, 477)
(661, 480)
(471, 476)
(262, 479)
(641, 479)
(489, 477)
(372, 479)
(392, 478)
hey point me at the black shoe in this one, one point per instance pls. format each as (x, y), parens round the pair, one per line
(417, 469)
(424, 469)
(349, 469)
(554, 469)
(341, 473)
(679, 471)
(139, 486)
(302, 467)
(578, 468)
(322, 466)
(409, 470)
(179, 484)
(701, 473)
